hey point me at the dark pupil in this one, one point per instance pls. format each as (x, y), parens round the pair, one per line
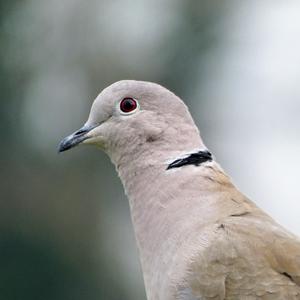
(128, 105)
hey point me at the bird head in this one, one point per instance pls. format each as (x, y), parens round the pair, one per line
(129, 114)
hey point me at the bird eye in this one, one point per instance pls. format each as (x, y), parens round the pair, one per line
(128, 105)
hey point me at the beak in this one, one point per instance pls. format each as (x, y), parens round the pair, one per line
(76, 138)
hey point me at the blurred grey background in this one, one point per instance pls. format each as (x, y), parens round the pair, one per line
(65, 230)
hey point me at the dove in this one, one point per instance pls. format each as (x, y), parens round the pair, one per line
(198, 236)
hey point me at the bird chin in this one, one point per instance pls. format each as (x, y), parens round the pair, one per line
(96, 141)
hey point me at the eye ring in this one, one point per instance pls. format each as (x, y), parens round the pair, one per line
(128, 105)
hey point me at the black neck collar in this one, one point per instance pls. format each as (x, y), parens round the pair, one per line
(195, 159)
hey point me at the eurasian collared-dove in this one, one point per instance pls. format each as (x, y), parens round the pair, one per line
(198, 236)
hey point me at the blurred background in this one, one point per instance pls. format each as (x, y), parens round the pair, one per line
(65, 229)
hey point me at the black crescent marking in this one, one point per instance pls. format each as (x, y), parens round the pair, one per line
(195, 159)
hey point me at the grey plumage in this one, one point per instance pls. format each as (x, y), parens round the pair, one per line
(198, 236)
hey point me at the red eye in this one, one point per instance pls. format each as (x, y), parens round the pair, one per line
(127, 105)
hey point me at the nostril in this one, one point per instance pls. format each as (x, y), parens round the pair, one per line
(85, 129)
(81, 131)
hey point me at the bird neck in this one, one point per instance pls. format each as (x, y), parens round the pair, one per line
(166, 203)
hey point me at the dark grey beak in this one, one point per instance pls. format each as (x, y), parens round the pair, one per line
(76, 138)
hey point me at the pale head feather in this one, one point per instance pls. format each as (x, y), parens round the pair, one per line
(162, 121)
